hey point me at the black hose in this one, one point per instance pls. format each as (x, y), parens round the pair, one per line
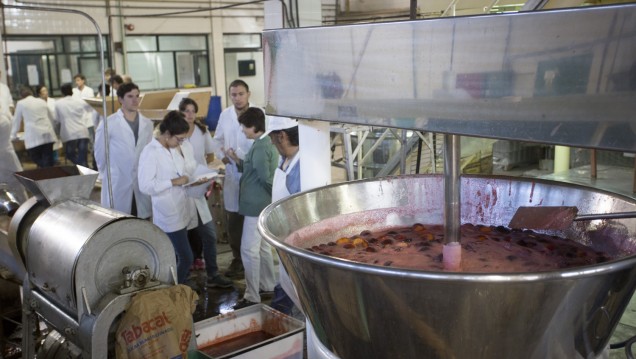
(627, 344)
(628, 347)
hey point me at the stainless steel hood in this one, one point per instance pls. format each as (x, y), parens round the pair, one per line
(558, 77)
(56, 184)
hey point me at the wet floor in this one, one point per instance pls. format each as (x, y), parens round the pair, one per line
(215, 301)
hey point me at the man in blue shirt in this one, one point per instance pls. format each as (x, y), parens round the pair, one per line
(284, 134)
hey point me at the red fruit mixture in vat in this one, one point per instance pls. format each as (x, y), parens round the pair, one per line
(485, 249)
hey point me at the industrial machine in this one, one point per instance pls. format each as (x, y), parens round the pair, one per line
(535, 76)
(83, 262)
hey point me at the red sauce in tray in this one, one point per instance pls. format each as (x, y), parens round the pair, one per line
(235, 343)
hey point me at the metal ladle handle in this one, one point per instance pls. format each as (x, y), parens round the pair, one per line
(615, 215)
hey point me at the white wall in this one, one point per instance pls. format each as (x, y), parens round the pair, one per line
(111, 21)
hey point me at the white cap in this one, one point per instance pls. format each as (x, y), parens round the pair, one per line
(275, 123)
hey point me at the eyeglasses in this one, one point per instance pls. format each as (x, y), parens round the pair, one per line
(180, 139)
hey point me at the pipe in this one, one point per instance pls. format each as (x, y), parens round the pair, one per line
(122, 34)
(152, 5)
(198, 9)
(561, 158)
(413, 10)
(593, 163)
(451, 256)
(403, 153)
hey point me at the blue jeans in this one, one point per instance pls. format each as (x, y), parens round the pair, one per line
(207, 233)
(181, 246)
(282, 302)
(42, 155)
(77, 151)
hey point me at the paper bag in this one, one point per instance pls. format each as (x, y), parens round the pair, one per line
(157, 324)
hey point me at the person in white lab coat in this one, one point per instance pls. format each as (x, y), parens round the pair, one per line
(284, 134)
(9, 162)
(82, 91)
(39, 135)
(228, 136)
(6, 100)
(162, 174)
(42, 92)
(201, 231)
(70, 114)
(128, 133)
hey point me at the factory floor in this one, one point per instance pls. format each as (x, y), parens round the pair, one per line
(214, 301)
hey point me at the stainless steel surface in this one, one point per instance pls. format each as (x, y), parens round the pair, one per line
(104, 243)
(533, 76)
(557, 217)
(20, 225)
(8, 203)
(452, 189)
(81, 257)
(364, 311)
(56, 184)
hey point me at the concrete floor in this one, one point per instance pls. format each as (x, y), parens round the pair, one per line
(215, 301)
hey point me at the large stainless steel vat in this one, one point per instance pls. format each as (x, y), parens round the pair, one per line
(364, 311)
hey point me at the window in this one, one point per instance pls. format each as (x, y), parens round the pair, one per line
(168, 61)
(53, 60)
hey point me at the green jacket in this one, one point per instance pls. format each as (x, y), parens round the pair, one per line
(258, 169)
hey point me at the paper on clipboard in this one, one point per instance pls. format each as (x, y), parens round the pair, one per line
(201, 173)
(198, 191)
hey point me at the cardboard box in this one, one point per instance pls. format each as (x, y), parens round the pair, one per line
(285, 334)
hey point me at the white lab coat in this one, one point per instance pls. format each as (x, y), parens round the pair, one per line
(86, 92)
(124, 161)
(157, 169)
(69, 113)
(9, 162)
(6, 101)
(196, 194)
(228, 135)
(50, 102)
(38, 122)
(202, 144)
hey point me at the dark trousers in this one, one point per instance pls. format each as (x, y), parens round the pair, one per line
(42, 155)
(196, 243)
(77, 151)
(203, 242)
(181, 246)
(235, 232)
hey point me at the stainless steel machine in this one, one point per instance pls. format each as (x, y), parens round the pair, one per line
(83, 262)
(538, 77)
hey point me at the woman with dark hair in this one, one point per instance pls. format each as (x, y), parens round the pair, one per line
(201, 231)
(255, 193)
(161, 175)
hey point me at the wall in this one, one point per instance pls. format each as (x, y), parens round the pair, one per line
(112, 19)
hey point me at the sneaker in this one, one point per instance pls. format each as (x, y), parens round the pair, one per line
(243, 303)
(198, 264)
(219, 281)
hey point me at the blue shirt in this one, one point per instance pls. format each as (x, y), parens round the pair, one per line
(293, 177)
